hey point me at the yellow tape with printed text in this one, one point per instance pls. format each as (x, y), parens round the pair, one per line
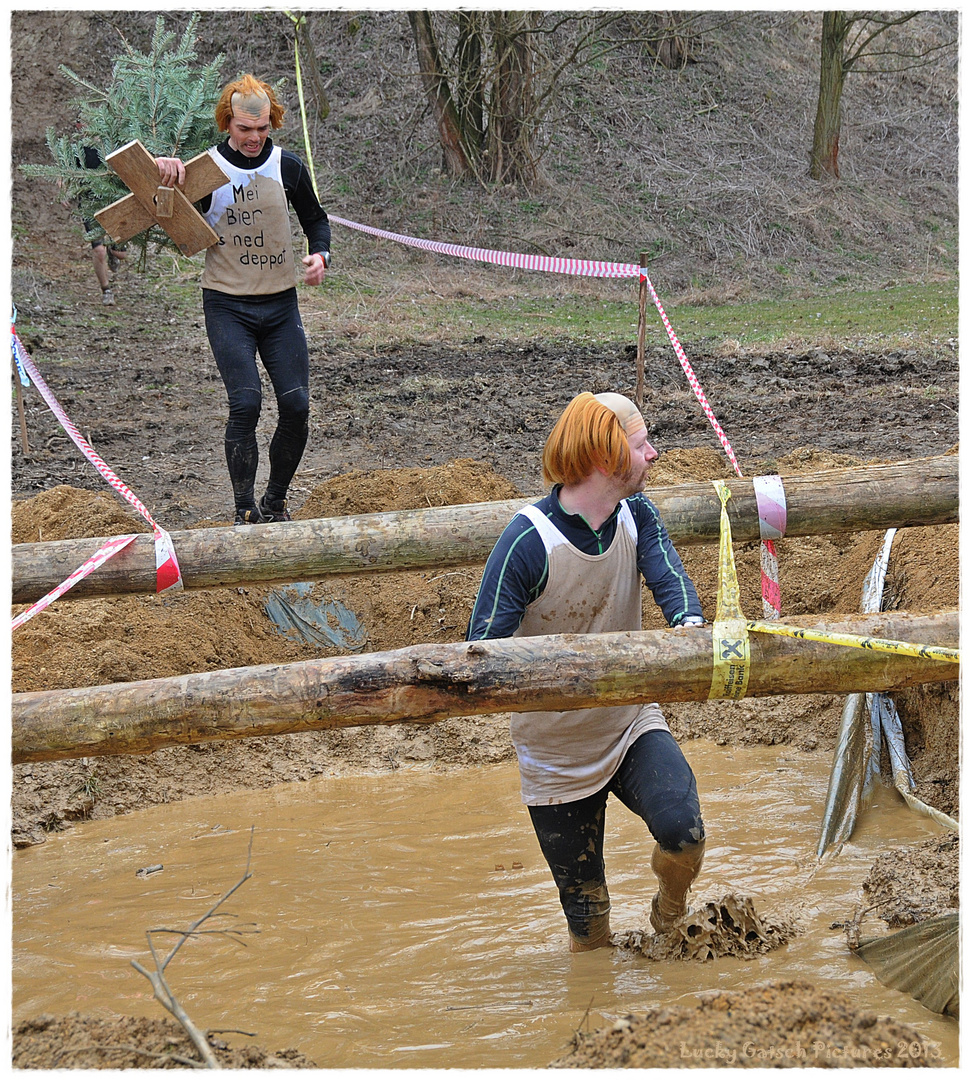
(729, 632)
(855, 641)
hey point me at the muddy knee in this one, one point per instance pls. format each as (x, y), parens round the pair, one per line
(587, 909)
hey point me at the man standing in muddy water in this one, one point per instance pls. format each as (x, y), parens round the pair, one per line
(572, 563)
(249, 293)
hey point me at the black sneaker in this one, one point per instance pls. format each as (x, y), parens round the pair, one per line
(249, 517)
(274, 511)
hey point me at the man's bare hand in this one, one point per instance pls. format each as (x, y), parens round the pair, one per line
(171, 172)
(315, 270)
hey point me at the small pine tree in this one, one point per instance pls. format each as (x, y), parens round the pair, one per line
(161, 98)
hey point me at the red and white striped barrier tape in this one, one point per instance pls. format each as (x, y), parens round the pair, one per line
(770, 498)
(769, 561)
(574, 267)
(587, 268)
(168, 575)
(103, 554)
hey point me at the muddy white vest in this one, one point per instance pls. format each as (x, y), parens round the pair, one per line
(254, 256)
(565, 756)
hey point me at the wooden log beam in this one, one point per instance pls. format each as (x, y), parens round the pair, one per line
(921, 492)
(425, 683)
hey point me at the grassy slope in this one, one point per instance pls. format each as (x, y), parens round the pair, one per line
(704, 169)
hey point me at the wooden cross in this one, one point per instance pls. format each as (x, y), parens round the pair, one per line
(150, 204)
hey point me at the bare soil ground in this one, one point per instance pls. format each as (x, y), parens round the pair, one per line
(407, 425)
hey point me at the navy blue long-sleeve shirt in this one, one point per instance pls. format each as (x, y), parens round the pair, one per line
(517, 570)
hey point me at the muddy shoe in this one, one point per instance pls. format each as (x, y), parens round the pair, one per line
(665, 923)
(107, 298)
(675, 872)
(251, 516)
(274, 511)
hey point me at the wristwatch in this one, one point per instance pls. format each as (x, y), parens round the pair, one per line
(325, 255)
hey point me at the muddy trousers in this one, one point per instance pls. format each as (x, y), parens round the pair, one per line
(239, 328)
(655, 782)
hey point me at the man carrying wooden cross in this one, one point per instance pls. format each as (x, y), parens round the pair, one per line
(249, 293)
(572, 563)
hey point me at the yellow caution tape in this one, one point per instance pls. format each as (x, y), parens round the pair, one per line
(729, 633)
(297, 21)
(854, 641)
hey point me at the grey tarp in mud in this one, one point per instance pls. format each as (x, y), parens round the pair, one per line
(297, 614)
(867, 720)
(921, 960)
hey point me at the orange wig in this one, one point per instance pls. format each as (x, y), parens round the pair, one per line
(588, 436)
(247, 86)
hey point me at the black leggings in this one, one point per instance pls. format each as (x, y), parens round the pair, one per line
(655, 782)
(238, 329)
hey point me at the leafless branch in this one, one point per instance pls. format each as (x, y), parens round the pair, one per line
(163, 992)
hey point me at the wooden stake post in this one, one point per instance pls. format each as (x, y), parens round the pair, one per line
(151, 204)
(641, 333)
(20, 409)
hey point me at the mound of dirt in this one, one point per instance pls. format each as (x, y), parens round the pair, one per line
(777, 1025)
(67, 513)
(360, 490)
(77, 1041)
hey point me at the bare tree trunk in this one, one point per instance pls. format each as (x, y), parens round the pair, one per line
(425, 683)
(310, 66)
(456, 158)
(510, 151)
(868, 498)
(669, 46)
(470, 87)
(824, 160)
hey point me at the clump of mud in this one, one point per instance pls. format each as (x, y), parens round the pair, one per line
(727, 927)
(903, 892)
(780, 1024)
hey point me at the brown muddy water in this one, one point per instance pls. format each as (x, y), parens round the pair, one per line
(408, 920)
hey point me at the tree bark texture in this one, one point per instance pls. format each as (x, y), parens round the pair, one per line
(511, 104)
(470, 88)
(435, 82)
(920, 492)
(425, 683)
(824, 160)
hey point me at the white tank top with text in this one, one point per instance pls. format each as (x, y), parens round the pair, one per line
(254, 256)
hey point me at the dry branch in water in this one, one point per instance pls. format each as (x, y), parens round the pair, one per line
(162, 990)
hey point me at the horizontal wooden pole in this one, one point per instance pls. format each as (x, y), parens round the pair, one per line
(921, 492)
(424, 683)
